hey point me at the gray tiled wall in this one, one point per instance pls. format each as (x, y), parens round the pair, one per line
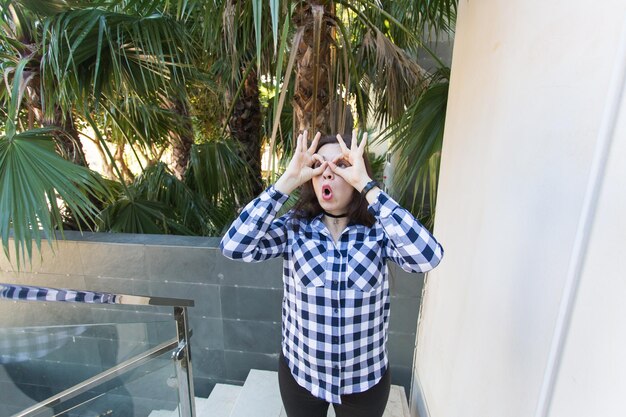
(236, 318)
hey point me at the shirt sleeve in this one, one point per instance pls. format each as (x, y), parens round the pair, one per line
(256, 235)
(407, 242)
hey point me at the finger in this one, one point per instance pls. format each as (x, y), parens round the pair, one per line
(318, 158)
(355, 140)
(342, 144)
(298, 143)
(363, 143)
(316, 139)
(333, 167)
(304, 143)
(320, 169)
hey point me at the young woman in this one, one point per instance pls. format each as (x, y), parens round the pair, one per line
(335, 243)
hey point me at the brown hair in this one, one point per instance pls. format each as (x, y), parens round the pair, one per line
(307, 206)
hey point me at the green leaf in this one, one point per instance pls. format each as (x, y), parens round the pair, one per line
(140, 216)
(274, 12)
(417, 139)
(32, 178)
(257, 10)
(218, 173)
(17, 91)
(158, 202)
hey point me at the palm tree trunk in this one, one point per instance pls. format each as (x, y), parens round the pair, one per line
(121, 163)
(245, 127)
(311, 100)
(182, 140)
(106, 164)
(68, 139)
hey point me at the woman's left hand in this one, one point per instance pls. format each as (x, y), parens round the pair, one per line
(354, 171)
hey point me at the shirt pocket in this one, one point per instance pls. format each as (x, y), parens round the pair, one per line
(365, 265)
(309, 262)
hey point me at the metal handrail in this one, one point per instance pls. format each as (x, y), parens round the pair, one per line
(99, 379)
(47, 294)
(180, 344)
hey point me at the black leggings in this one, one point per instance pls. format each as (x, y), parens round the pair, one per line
(299, 402)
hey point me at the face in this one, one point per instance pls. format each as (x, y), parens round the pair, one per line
(333, 193)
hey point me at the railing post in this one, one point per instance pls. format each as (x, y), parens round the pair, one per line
(182, 359)
(180, 345)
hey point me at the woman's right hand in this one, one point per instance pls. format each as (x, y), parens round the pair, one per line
(300, 168)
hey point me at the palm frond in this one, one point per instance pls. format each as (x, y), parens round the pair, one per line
(139, 121)
(32, 179)
(156, 203)
(393, 74)
(416, 140)
(407, 21)
(218, 173)
(158, 184)
(139, 216)
(17, 23)
(95, 52)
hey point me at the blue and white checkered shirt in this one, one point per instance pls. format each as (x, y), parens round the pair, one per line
(336, 303)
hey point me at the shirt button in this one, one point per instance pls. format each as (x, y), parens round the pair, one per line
(335, 339)
(336, 310)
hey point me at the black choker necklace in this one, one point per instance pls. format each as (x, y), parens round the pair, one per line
(335, 216)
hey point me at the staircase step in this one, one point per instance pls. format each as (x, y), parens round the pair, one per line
(259, 396)
(164, 413)
(397, 405)
(220, 403)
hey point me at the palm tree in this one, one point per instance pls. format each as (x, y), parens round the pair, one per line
(230, 42)
(124, 68)
(20, 37)
(354, 54)
(181, 139)
(114, 65)
(313, 84)
(245, 127)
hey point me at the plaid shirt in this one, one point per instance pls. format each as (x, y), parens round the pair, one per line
(336, 305)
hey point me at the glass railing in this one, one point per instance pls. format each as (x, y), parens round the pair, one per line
(80, 353)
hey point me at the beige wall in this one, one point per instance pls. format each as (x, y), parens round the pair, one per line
(591, 380)
(533, 85)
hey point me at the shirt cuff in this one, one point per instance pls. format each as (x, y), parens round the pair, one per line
(272, 193)
(382, 206)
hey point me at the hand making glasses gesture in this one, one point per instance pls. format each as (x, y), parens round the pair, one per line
(306, 164)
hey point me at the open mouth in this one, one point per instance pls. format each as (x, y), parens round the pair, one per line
(327, 192)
